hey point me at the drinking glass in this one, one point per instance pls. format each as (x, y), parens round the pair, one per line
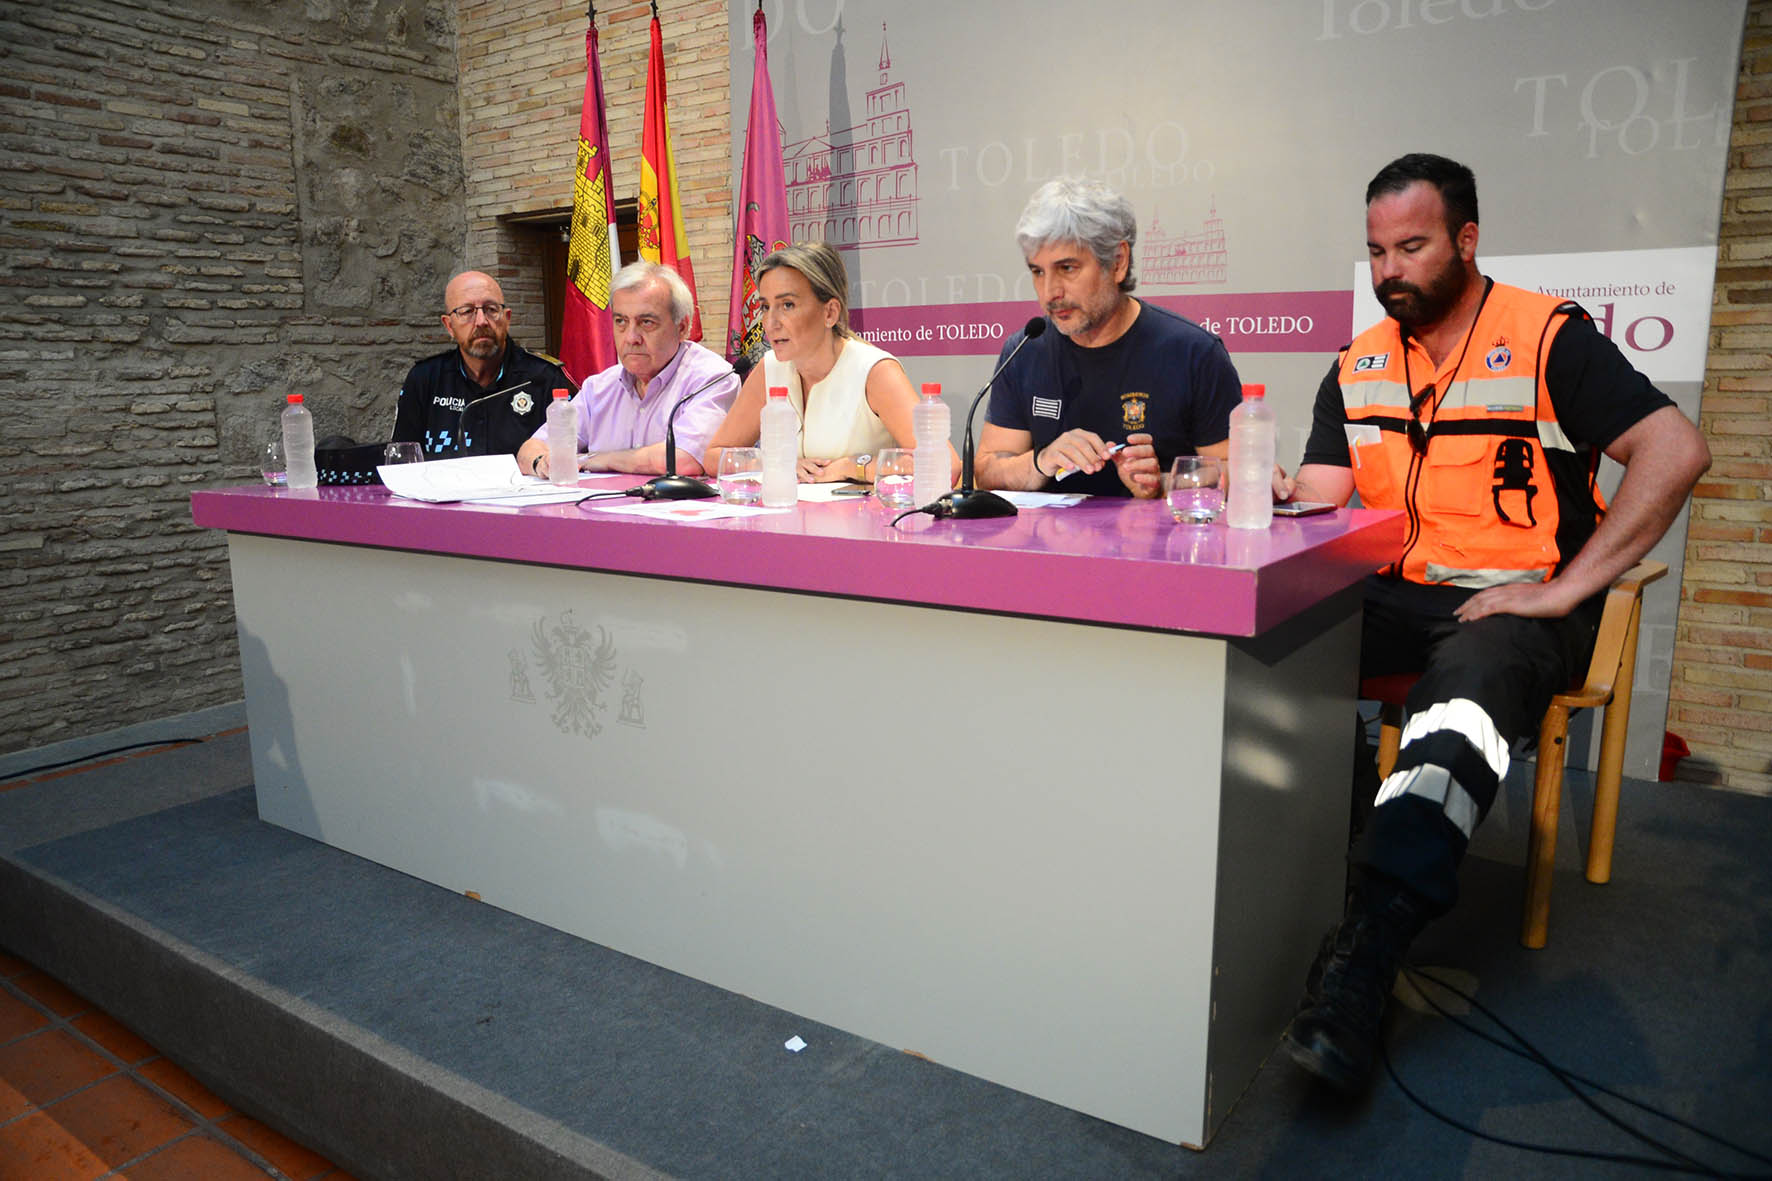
(394, 453)
(893, 471)
(741, 475)
(271, 464)
(1192, 489)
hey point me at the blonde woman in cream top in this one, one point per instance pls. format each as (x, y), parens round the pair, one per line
(852, 398)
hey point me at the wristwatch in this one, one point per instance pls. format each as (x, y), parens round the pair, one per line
(861, 465)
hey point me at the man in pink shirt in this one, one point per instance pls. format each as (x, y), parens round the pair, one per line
(623, 410)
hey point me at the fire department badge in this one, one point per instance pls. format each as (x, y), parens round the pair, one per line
(522, 403)
(1132, 406)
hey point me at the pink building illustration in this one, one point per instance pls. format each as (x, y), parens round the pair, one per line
(1175, 260)
(856, 188)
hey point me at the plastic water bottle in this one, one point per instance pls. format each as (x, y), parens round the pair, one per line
(562, 439)
(298, 444)
(930, 424)
(780, 440)
(1251, 503)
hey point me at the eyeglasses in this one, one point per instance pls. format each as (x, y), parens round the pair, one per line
(467, 311)
(1417, 432)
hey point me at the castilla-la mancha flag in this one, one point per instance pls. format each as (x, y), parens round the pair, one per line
(587, 338)
(762, 206)
(662, 239)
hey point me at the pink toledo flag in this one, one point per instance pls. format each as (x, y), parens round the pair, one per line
(762, 206)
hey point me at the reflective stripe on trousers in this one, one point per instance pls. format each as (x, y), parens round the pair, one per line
(1470, 722)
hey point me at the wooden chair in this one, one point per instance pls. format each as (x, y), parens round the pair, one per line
(1608, 686)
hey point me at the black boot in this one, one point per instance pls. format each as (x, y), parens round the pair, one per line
(1335, 1034)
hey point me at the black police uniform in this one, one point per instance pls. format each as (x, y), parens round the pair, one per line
(438, 395)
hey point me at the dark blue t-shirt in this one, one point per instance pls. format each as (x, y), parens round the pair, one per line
(1166, 377)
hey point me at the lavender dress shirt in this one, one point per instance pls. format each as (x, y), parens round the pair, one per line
(612, 417)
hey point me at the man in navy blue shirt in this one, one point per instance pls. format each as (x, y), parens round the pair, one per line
(1117, 371)
(486, 395)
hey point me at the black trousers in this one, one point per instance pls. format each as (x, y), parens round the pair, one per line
(1483, 686)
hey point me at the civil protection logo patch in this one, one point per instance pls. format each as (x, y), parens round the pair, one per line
(1371, 361)
(1498, 358)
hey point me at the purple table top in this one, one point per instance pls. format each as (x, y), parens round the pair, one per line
(1106, 561)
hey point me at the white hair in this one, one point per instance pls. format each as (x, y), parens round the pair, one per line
(1073, 210)
(641, 271)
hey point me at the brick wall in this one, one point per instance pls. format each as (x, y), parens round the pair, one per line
(1721, 698)
(522, 86)
(203, 207)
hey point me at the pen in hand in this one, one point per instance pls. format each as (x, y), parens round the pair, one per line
(1112, 449)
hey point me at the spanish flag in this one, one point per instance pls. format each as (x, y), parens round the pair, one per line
(662, 239)
(587, 338)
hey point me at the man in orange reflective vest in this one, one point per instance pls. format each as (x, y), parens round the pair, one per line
(1481, 411)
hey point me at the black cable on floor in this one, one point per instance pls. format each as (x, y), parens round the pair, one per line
(115, 750)
(1547, 1149)
(1682, 1163)
(1531, 1053)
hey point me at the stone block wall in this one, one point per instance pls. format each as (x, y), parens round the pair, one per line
(1721, 698)
(204, 207)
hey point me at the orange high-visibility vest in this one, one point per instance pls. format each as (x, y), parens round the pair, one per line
(1502, 494)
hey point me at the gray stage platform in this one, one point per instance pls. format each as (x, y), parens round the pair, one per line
(406, 1031)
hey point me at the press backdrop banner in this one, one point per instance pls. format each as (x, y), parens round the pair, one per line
(913, 132)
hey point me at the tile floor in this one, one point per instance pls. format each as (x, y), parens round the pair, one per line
(81, 1098)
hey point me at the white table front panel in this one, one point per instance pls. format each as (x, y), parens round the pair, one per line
(1013, 874)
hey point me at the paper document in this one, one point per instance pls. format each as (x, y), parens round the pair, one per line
(477, 477)
(817, 493)
(541, 494)
(1043, 499)
(687, 510)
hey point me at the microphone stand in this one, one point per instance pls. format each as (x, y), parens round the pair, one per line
(671, 486)
(461, 422)
(966, 502)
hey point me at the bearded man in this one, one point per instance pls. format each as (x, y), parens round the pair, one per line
(1480, 410)
(486, 395)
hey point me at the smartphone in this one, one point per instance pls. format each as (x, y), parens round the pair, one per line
(853, 490)
(1303, 508)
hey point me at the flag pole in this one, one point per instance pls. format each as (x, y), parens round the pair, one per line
(587, 337)
(663, 236)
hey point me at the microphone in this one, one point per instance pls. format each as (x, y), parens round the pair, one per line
(461, 421)
(967, 502)
(671, 486)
